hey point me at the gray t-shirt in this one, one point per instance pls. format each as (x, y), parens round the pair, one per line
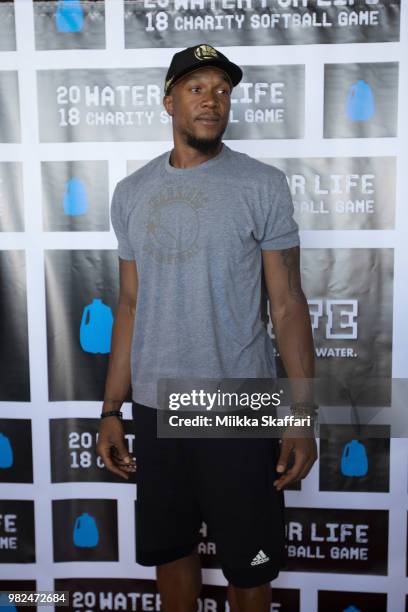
(196, 235)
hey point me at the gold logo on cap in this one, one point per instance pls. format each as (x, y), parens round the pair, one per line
(168, 83)
(204, 52)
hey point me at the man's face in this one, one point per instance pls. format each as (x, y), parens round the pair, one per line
(199, 104)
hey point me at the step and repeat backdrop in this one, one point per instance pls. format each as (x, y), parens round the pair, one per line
(323, 98)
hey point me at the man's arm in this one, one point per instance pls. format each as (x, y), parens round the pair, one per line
(293, 331)
(118, 377)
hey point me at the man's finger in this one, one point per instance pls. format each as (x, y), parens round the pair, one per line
(285, 451)
(120, 452)
(294, 473)
(123, 458)
(104, 453)
(125, 467)
(288, 478)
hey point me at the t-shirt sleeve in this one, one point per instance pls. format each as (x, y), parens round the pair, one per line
(280, 230)
(119, 223)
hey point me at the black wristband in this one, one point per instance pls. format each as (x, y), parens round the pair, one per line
(117, 413)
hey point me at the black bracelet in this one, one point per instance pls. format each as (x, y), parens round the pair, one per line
(117, 413)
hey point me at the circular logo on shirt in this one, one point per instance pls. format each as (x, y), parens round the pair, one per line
(173, 225)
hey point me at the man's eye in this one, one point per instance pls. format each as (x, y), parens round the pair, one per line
(195, 88)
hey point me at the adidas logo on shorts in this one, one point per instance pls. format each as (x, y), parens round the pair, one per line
(259, 558)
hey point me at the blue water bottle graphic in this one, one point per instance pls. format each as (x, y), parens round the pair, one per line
(351, 609)
(6, 452)
(96, 327)
(86, 534)
(360, 104)
(354, 460)
(69, 16)
(5, 605)
(75, 198)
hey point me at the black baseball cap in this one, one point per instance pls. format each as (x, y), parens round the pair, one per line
(199, 56)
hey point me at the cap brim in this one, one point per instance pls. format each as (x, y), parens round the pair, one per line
(232, 70)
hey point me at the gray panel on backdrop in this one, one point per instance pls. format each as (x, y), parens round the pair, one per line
(14, 361)
(349, 541)
(7, 27)
(74, 279)
(182, 23)
(75, 195)
(102, 105)
(361, 100)
(69, 25)
(91, 521)
(341, 192)
(9, 107)
(354, 458)
(18, 535)
(11, 197)
(268, 103)
(126, 104)
(350, 294)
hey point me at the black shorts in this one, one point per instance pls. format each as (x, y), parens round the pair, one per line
(227, 483)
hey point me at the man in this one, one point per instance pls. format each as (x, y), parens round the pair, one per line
(197, 227)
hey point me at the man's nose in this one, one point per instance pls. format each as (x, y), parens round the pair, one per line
(210, 99)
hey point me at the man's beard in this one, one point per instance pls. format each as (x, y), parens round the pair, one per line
(204, 145)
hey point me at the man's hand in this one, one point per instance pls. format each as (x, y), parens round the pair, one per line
(112, 449)
(305, 451)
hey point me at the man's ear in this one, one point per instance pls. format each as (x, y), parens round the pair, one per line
(168, 104)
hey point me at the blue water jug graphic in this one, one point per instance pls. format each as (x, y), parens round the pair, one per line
(351, 609)
(6, 452)
(69, 16)
(96, 327)
(86, 534)
(360, 102)
(75, 198)
(354, 460)
(5, 605)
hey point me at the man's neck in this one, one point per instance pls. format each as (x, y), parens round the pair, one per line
(187, 157)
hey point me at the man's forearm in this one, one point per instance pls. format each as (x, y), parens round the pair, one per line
(294, 338)
(118, 377)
